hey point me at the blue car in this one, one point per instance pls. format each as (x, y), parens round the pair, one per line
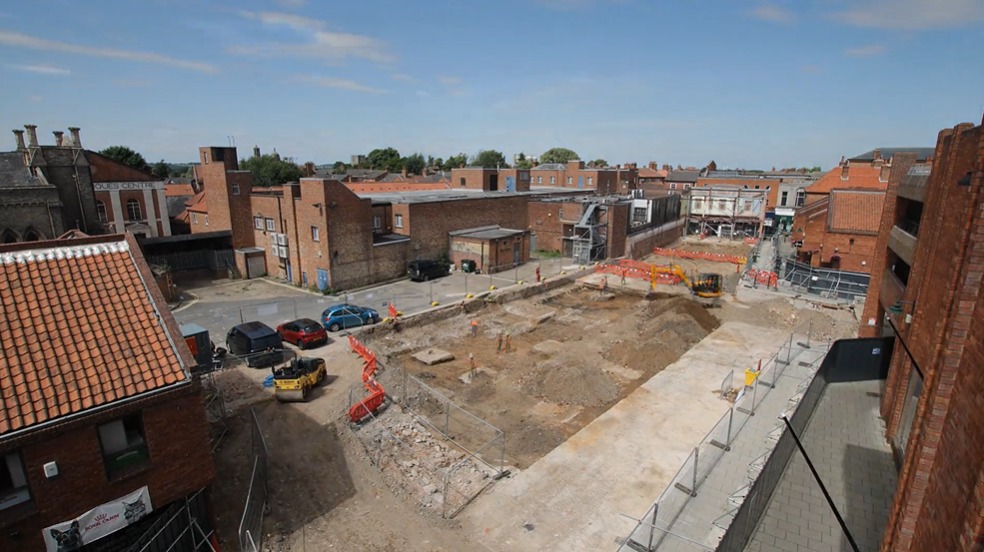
(341, 316)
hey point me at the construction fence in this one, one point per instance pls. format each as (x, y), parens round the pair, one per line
(824, 282)
(457, 453)
(661, 526)
(183, 527)
(251, 524)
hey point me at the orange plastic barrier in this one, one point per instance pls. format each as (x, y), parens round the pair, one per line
(637, 269)
(702, 255)
(393, 313)
(377, 394)
(765, 277)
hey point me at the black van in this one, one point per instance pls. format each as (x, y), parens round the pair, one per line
(421, 271)
(258, 343)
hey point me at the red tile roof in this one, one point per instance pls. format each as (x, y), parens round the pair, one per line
(178, 189)
(646, 172)
(859, 175)
(80, 328)
(197, 203)
(857, 211)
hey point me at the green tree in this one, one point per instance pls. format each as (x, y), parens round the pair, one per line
(490, 159)
(598, 164)
(455, 162)
(523, 162)
(558, 155)
(125, 155)
(385, 159)
(269, 170)
(161, 170)
(414, 164)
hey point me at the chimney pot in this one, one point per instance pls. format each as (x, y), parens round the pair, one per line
(59, 137)
(76, 140)
(32, 135)
(19, 137)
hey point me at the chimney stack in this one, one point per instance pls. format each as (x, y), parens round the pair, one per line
(256, 151)
(59, 137)
(76, 140)
(19, 136)
(876, 155)
(32, 135)
(845, 167)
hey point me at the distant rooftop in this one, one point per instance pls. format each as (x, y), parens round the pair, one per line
(922, 154)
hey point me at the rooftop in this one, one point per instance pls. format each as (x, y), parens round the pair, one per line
(858, 176)
(80, 328)
(922, 154)
(856, 210)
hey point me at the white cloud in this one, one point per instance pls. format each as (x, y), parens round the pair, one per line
(403, 77)
(20, 40)
(914, 14)
(35, 98)
(773, 13)
(863, 51)
(448, 80)
(343, 84)
(316, 41)
(42, 70)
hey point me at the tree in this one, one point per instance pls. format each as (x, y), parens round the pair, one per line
(490, 159)
(386, 159)
(125, 155)
(558, 155)
(523, 162)
(339, 167)
(455, 162)
(269, 170)
(414, 164)
(161, 170)
(598, 164)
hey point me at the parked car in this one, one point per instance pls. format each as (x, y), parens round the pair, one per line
(303, 333)
(340, 316)
(259, 344)
(421, 271)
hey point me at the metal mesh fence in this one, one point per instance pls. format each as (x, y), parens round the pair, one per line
(183, 527)
(251, 525)
(824, 282)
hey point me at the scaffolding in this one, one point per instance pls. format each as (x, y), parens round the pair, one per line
(590, 234)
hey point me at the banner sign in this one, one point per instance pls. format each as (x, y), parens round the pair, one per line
(110, 186)
(98, 522)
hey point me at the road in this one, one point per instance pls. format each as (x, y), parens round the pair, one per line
(220, 306)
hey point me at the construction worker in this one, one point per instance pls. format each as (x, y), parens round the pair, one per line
(538, 274)
(474, 328)
(508, 344)
(498, 347)
(604, 284)
(623, 277)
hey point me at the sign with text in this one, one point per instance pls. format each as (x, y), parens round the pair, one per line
(123, 186)
(98, 522)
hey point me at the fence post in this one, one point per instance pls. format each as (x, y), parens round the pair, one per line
(652, 529)
(693, 490)
(809, 331)
(731, 417)
(754, 394)
(447, 416)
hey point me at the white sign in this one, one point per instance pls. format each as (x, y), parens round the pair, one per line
(98, 522)
(112, 186)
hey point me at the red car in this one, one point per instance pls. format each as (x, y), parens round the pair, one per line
(304, 333)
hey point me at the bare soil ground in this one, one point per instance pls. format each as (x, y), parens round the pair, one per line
(572, 355)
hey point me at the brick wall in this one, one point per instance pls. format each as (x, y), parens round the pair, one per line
(940, 499)
(269, 206)
(180, 463)
(547, 219)
(227, 195)
(618, 225)
(389, 187)
(435, 219)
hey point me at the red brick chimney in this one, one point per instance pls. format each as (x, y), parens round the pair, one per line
(845, 167)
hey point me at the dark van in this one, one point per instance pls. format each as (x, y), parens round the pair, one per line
(421, 271)
(258, 343)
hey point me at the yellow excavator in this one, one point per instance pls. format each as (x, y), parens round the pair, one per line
(707, 286)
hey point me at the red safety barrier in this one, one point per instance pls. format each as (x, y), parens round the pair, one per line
(638, 269)
(702, 255)
(393, 313)
(377, 395)
(765, 277)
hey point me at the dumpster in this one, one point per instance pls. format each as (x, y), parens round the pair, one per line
(468, 265)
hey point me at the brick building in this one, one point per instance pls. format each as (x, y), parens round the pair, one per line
(46, 190)
(100, 413)
(840, 230)
(726, 211)
(616, 180)
(127, 199)
(927, 290)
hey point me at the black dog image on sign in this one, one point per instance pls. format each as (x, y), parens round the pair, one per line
(68, 540)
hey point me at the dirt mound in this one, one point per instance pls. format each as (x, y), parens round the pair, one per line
(781, 314)
(562, 380)
(685, 308)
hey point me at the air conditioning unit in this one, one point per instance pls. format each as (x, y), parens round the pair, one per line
(283, 252)
(281, 239)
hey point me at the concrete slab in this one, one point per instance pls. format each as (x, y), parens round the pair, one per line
(433, 356)
(573, 497)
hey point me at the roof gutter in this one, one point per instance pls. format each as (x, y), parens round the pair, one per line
(91, 411)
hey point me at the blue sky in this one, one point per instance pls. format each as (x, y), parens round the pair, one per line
(746, 83)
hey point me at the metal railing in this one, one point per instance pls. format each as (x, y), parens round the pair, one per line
(824, 282)
(251, 525)
(182, 527)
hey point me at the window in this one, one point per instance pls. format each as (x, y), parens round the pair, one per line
(687, 186)
(722, 205)
(399, 221)
(768, 188)
(539, 180)
(235, 188)
(13, 483)
(783, 198)
(800, 198)
(913, 392)
(756, 186)
(590, 181)
(194, 218)
(101, 211)
(698, 203)
(672, 185)
(271, 225)
(553, 179)
(205, 157)
(258, 223)
(639, 215)
(377, 223)
(206, 220)
(133, 210)
(462, 181)
(570, 180)
(315, 234)
(123, 446)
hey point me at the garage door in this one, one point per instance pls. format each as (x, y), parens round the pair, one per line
(256, 266)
